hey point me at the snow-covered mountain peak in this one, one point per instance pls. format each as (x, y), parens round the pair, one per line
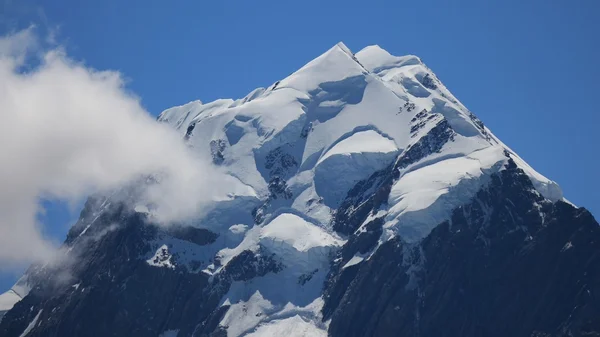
(340, 119)
(355, 162)
(335, 64)
(345, 48)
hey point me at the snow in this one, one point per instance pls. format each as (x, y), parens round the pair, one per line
(460, 122)
(170, 252)
(245, 316)
(376, 59)
(258, 305)
(353, 159)
(424, 198)
(264, 301)
(169, 333)
(334, 65)
(161, 258)
(31, 325)
(238, 229)
(546, 187)
(8, 300)
(296, 232)
(298, 242)
(376, 110)
(356, 259)
(85, 229)
(365, 141)
(290, 327)
(311, 204)
(567, 246)
(140, 209)
(249, 242)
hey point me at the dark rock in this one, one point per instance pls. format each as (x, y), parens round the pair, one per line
(278, 188)
(110, 290)
(199, 236)
(508, 264)
(428, 82)
(190, 128)
(367, 196)
(279, 162)
(248, 265)
(479, 124)
(217, 147)
(409, 106)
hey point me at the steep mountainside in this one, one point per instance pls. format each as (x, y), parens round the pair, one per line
(368, 202)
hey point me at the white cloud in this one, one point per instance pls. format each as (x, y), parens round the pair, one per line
(15, 47)
(67, 130)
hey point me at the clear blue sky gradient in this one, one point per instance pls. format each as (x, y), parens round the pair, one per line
(528, 69)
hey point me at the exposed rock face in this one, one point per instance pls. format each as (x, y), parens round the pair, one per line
(504, 265)
(115, 293)
(370, 202)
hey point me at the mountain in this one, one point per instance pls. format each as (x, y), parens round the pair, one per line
(368, 202)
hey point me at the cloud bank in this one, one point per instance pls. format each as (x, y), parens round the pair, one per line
(66, 131)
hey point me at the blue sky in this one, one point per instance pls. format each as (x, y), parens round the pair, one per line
(528, 69)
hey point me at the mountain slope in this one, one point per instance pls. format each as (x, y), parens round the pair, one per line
(369, 202)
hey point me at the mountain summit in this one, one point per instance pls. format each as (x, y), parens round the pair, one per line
(368, 201)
